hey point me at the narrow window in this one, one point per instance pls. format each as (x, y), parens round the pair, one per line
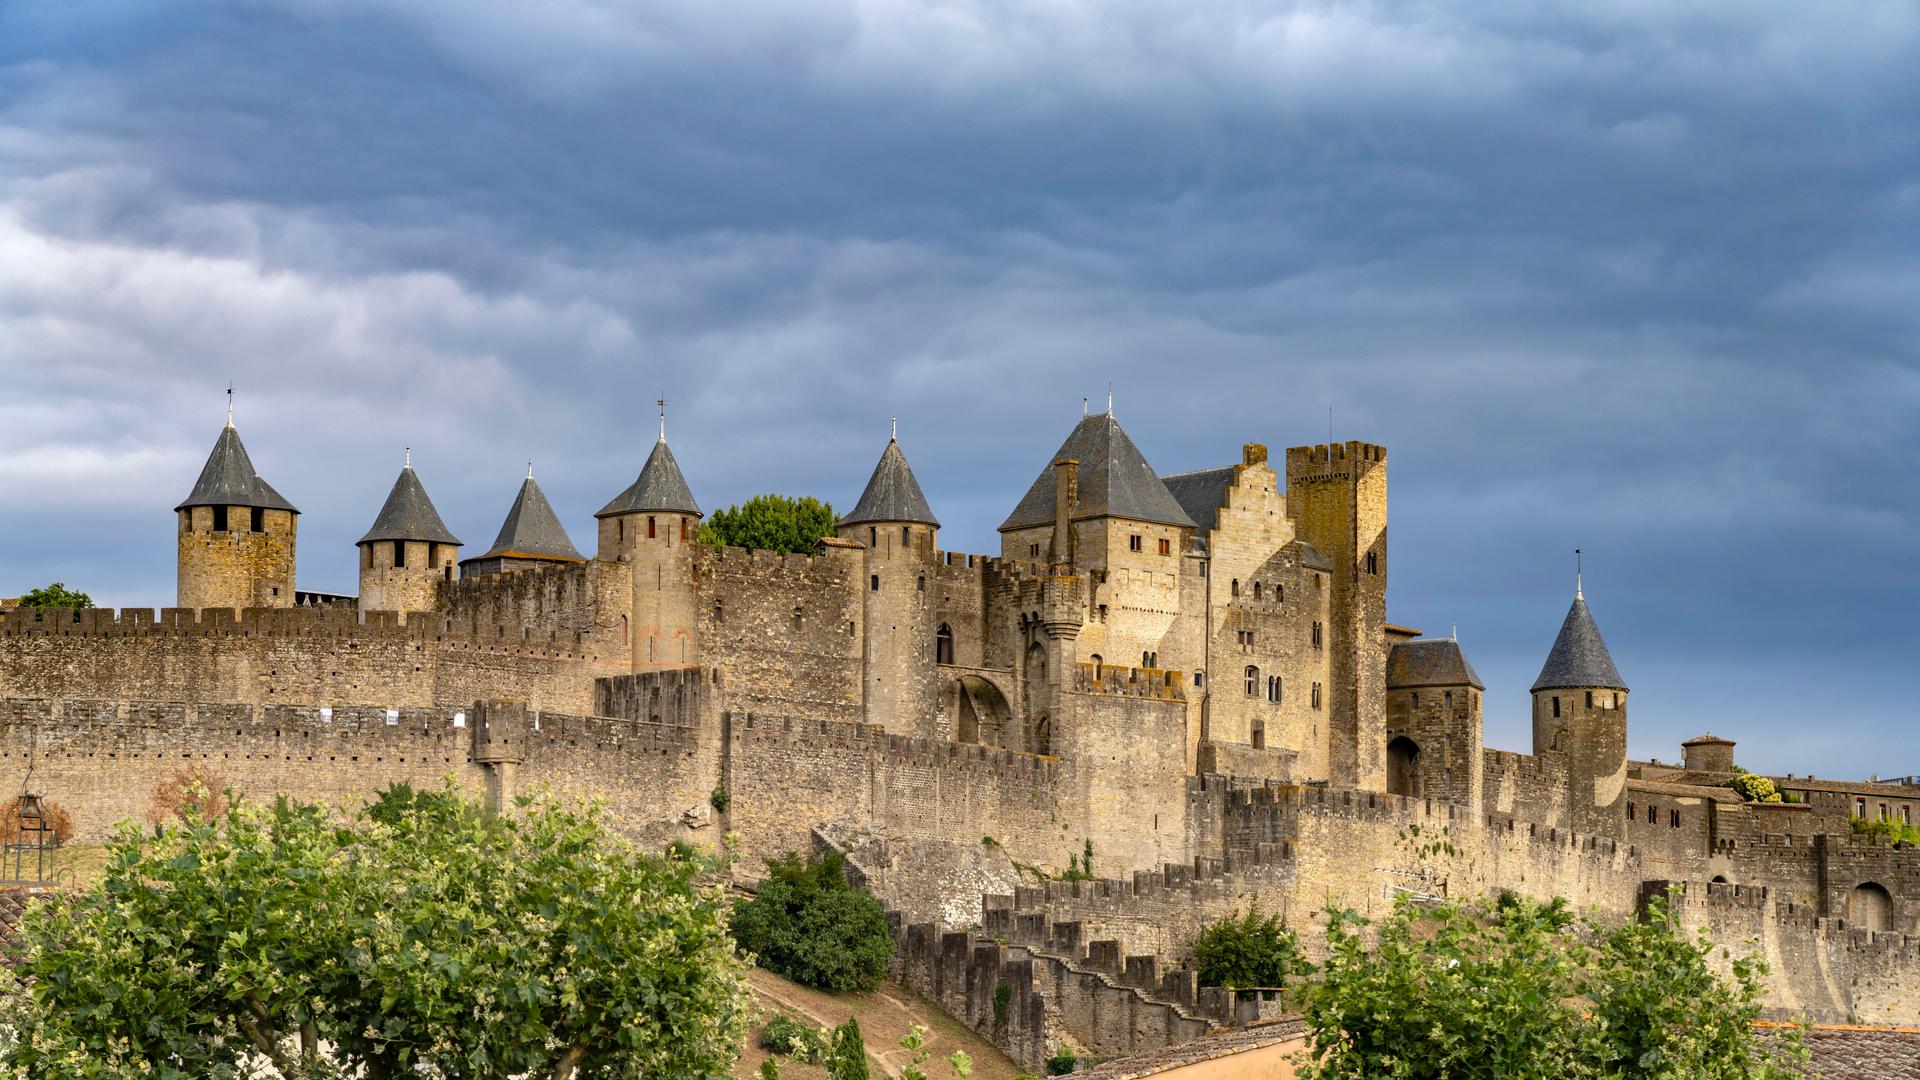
(1373, 567)
(1097, 666)
(259, 519)
(1556, 706)
(1906, 815)
(873, 536)
(943, 645)
(1103, 613)
(1673, 819)
(1316, 695)
(1883, 812)
(1589, 699)
(875, 583)
(799, 622)
(1033, 551)
(620, 529)
(719, 613)
(683, 530)
(921, 583)
(1166, 547)
(906, 534)
(1446, 701)
(399, 554)
(1253, 681)
(1256, 590)
(1236, 586)
(623, 629)
(1630, 812)
(219, 519)
(1859, 808)
(1416, 701)
(1653, 814)
(1199, 678)
(1133, 543)
(1279, 593)
(1316, 635)
(1259, 735)
(1279, 690)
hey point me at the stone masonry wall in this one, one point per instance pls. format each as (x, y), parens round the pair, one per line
(786, 630)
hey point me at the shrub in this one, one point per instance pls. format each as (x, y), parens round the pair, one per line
(785, 1035)
(720, 800)
(1753, 787)
(56, 821)
(847, 1058)
(771, 523)
(194, 788)
(1893, 830)
(808, 924)
(1518, 988)
(1248, 950)
(1063, 1061)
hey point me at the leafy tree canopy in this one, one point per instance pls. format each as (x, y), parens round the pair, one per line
(771, 523)
(1519, 989)
(423, 937)
(56, 595)
(1248, 950)
(1753, 787)
(809, 925)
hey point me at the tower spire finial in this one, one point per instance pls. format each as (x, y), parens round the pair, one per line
(1578, 594)
(1083, 406)
(229, 404)
(662, 402)
(893, 429)
(1109, 400)
(409, 462)
(529, 468)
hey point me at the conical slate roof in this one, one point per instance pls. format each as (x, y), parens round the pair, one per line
(892, 493)
(408, 514)
(659, 487)
(1579, 658)
(532, 530)
(228, 479)
(1430, 662)
(1115, 481)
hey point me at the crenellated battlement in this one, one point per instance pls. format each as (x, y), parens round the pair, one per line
(1157, 683)
(332, 624)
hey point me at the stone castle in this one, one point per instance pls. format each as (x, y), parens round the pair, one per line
(1190, 677)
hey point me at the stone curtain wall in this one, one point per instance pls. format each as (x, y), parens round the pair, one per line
(786, 630)
(1821, 968)
(299, 656)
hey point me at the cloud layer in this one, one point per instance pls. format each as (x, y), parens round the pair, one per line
(1632, 277)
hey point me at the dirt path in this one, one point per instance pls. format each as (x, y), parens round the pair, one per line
(885, 1016)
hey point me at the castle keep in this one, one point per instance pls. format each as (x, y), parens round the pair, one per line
(1190, 676)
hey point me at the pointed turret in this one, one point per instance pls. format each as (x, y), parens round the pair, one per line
(409, 550)
(659, 488)
(530, 536)
(1579, 659)
(892, 494)
(1580, 710)
(1114, 477)
(237, 534)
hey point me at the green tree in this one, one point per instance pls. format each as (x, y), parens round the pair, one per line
(1516, 989)
(56, 595)
(805, 922)
(847, 1057)
(1248, 950)
(423, 935)
(771, 523)
(1753, 787)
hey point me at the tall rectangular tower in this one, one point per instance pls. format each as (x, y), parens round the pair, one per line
(1337, 498)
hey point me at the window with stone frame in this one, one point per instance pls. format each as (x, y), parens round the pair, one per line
(1253, 681)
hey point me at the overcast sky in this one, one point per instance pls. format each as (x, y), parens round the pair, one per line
(1635, 276)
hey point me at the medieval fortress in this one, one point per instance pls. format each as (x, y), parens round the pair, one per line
(1190, 676)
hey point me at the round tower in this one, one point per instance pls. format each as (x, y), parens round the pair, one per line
(652, 528)
(896, 527)
(236, 534)
(408, 552)
(1580, 711)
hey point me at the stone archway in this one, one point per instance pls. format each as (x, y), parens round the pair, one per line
(977, 712)
(1403, 767)
(1870, 907)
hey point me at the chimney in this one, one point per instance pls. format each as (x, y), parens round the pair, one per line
(1066, 498)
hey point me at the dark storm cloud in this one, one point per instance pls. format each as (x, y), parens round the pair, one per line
(1633, 277)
